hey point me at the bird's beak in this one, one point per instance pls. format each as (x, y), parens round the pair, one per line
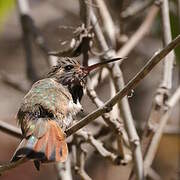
(88, 69)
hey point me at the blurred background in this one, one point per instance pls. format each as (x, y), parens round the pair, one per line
(51, 16)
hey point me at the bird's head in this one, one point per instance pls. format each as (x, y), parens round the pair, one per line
(70, 73)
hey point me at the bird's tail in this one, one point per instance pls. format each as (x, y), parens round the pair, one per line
(50, 147)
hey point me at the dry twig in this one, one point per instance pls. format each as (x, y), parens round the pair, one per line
(151, 152)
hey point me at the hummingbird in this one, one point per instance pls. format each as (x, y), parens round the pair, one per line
(48, 110)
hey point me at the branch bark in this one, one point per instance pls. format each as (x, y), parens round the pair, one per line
(131, 85)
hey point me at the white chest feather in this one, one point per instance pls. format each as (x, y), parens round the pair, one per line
(73, 109)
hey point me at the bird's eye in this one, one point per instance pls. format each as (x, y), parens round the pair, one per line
(68, 67)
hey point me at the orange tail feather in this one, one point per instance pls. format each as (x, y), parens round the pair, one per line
(51, 147)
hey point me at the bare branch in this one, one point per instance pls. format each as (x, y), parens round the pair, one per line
(109, 104)
(159, 104)
(136, 8)
(99, 147)
(133, 40)
(108, 23)
(64, 170)
(158, 134)
(11, 165)
(80, 157)
(31, 34)
(131, 85)
(153, 174)
(140, 33)
(169, 59)
(10, 129)
(113, 123)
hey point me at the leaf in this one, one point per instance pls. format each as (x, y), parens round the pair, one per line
(5, 8)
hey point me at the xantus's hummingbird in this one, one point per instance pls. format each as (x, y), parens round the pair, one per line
(48, 109)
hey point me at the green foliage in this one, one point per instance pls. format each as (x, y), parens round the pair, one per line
(5, 7)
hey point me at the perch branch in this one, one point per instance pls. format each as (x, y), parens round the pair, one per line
(11, 165)
(158, 56)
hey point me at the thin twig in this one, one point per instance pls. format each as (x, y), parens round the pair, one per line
(31, 34)
(85, 6)
(128, 121)
(166, 84)
(109, 26)
(140, 33)
(136, 8)
(178, 2)
(88, 137)
(153, 174)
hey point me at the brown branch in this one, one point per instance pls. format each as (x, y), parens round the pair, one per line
(85, 6)
(131, 85)
(85, 9)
